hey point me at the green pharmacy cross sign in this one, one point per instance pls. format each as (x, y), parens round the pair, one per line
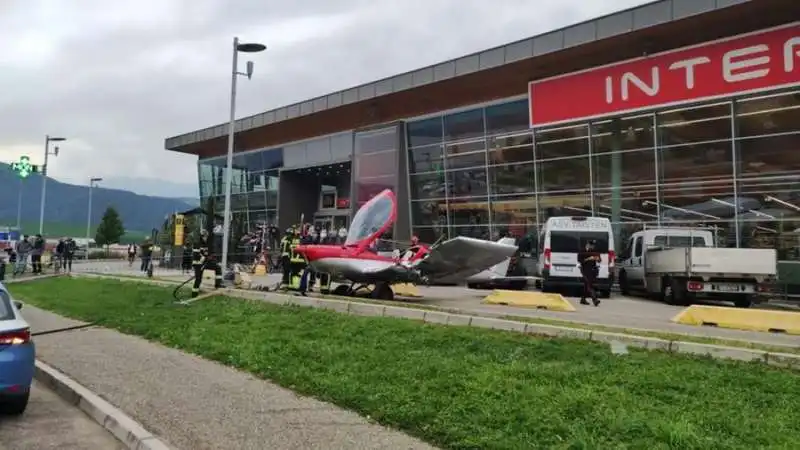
(24, 167)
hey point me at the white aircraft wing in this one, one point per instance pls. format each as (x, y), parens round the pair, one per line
(462, 257)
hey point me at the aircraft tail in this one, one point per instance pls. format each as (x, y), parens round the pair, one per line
(500, 270)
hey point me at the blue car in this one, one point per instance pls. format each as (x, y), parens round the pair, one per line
(17, 356)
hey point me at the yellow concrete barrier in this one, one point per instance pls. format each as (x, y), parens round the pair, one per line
(741, 319)
(260, 269)
(529, 299)
(406, 290)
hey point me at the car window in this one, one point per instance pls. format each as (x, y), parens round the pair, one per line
(680, 241)
(6, 313)
(575, 241)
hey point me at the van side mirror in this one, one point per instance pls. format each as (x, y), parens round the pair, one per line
(17, 304)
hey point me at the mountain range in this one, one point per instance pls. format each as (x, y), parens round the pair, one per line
(67, 204)
(152, 187)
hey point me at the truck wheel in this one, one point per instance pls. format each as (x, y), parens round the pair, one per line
(623, 284)
(672, 293)
(744, 301)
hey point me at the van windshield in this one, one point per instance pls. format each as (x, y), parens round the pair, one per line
(575, 241)
(680, 241)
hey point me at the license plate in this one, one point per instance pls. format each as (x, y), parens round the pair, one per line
(563, 268)
(727, 288)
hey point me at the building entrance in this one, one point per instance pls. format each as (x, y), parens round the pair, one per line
(319, 194)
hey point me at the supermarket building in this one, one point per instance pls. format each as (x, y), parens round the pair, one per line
(676, 112)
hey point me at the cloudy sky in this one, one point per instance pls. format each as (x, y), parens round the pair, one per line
(117, 77)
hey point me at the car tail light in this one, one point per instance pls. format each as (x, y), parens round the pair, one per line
(547, 254)
(612, 258)
(695, 286)
(16, 337)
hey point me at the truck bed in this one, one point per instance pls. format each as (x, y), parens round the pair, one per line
(713, 262)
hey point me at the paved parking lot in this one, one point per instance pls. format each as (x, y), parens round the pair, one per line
(52, 423)
(618, 311)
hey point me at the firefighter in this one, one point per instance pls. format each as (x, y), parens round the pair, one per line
(201, 260)
(286, 253)
(297, 263)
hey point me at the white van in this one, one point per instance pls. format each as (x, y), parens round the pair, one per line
(560, 241)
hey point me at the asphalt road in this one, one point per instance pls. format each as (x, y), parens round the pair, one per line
(52, 423)
(619, 311)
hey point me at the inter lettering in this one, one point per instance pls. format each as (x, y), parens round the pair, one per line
(736, 67)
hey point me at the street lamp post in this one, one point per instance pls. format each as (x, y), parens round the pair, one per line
(244, 48)
(19, 205)
(47, 140)
(92, 184)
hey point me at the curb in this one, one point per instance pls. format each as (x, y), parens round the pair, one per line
(782, 360)
(131, 433)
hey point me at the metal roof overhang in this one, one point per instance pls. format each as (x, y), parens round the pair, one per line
(506, 80)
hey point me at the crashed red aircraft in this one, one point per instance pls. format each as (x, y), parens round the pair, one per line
(359, 263)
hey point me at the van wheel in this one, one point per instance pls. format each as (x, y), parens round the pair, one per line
(745, 301)
(623, 284)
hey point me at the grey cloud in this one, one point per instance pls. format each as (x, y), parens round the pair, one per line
(122, 89)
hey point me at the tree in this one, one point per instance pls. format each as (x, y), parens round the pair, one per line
(110, 229)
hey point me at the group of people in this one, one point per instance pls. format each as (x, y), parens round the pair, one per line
(33, 247)
(296, 274)
(145, 250)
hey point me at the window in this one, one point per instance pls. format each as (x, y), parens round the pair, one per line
(507, 117)
(464, 125)
(678, 241)
(562, 142)
(466, 183)
(376, 141)
(575, 241)
(632, 168)
(708, 123)
(425, 159)
(512, 179)
(429, 213)
(469, 154)
(511, 149)
(377, 164)
(469, 211)
(561, 175)
(428, 185)
(424, 132)
(637, 247)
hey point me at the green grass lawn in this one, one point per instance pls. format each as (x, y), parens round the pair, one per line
(460, 388)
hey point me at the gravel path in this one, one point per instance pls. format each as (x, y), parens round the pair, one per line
(195, 404)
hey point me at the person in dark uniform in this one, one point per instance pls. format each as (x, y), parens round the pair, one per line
(589, 261)
(201, 260)
(286, 252)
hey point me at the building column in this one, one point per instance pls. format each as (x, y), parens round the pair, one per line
(616, 179)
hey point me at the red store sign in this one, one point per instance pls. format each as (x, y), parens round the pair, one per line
(743, 64)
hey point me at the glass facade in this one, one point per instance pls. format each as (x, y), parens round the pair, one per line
(375, 163)
(732, 166)
(254, 185)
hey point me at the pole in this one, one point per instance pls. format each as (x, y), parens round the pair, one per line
(19, 206)
(44, 184)
(226, 226)
(89, 219)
